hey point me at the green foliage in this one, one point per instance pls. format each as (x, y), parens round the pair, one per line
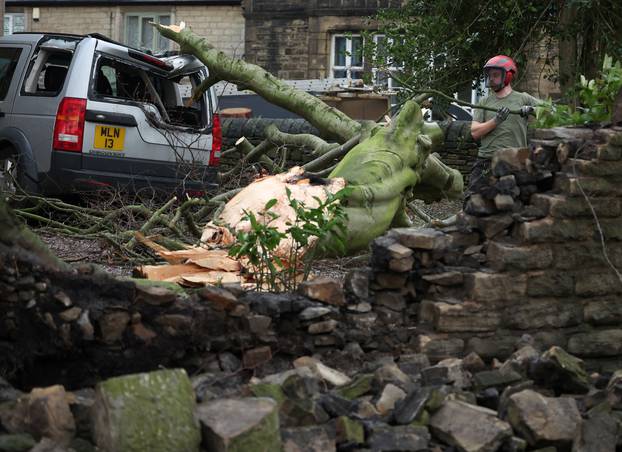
(595, 100)
(444, 44)
(259, 245)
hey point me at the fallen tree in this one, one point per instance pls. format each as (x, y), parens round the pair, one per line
(389, 166)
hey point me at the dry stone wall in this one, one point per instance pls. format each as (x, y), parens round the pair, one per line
(525, 261)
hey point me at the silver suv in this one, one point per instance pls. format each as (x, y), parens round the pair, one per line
(85, 112)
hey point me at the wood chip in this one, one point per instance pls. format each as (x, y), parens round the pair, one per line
(165, 272)
(213, 277)
(181, 256)
(223, 263)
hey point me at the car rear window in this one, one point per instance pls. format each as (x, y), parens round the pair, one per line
(118, 80)
(9, 56)
(49, 66)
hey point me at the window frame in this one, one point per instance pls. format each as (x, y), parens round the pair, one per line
(11, 17)
(348, 56)
(156, 36)
(47, 45)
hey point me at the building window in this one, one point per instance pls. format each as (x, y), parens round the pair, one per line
(347, 56)
(13, 23)
(383, 74)
(141, 35)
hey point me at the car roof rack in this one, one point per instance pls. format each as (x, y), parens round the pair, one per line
(112, 41)
(68, 35)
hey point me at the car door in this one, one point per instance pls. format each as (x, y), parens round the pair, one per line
(137, 114)
(13, 58)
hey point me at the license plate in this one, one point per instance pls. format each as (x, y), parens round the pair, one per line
(109, 138)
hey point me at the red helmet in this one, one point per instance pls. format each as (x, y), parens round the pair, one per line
(506, 64)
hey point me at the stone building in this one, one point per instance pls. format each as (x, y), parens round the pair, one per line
(297, 39)
(127, 21)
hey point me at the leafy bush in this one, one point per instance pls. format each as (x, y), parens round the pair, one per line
(595, 100)
(259, 244)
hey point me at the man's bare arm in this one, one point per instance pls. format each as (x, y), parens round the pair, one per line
(479, 129)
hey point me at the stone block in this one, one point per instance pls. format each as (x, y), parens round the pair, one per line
(389, 299)
(560, 206)
(603, 311)
(439, 347)
(478, 206)
(468, 427)
(151, 411)
(509, 161)
(44, 412)
(326, 326)
(578, 186)
(549, 283)
(256, 357)
(508, 256)
(577, 255)
(401, 265)
(450, 278)
(543, 420)
(504, 202)
(311, 438)
(326, 290)
(389, 396)
(357, 283)
(554, 230)
(389, 280)
(422, 239)
(538, 313)
(465, 317)
(596, 344)
(349, 431)
(560, 370)
(598, 433)
(495, 378)
(500, 347)
(609, 153)
(494, 225)
(399, 251)
(494, 287)
(612, 229)
(594, 284)
(240, 424)
(592, 168)
(564, 133)
(401, 437)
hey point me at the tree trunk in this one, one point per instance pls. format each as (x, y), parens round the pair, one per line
(384, 168)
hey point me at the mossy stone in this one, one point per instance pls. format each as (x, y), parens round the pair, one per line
(150, 411)
(360, 386)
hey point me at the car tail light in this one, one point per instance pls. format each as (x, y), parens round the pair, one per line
(214, 158)
(69, 126)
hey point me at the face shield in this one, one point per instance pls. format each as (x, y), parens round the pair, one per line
(495, 78)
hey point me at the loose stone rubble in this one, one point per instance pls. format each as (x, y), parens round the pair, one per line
(388, 405)
(451, 339)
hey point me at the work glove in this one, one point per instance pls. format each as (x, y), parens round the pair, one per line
(527, 110)
(502, 115)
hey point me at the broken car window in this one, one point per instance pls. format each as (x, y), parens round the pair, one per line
(117, 80)
(48, 67)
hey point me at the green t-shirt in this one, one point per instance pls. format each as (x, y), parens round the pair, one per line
(511, 133)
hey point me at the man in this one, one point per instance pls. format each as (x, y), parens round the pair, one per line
(500, 129)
